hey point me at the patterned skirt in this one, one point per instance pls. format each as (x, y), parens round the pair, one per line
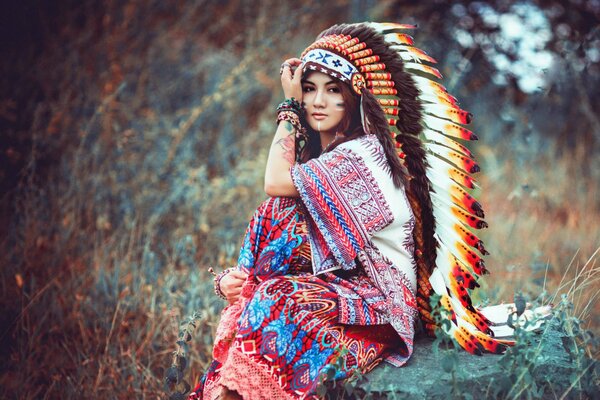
(282, 337)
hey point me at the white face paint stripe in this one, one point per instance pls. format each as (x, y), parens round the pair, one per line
(319, 126)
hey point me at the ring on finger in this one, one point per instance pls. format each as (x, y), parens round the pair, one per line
(285, 64)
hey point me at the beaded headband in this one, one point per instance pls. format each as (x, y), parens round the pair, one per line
(334, 65)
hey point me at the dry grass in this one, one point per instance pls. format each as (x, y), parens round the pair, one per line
(544, 214)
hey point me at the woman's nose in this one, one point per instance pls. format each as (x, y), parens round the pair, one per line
(319, 99)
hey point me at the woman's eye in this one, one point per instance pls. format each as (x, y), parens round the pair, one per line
(307, 89)
(334, 89)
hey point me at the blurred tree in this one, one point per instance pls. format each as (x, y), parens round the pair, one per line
(533, 66)
(535, 61)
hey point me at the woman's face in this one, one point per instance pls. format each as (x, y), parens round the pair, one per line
(323, 102)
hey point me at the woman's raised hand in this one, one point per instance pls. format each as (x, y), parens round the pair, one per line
(291, 82)
(231, 285)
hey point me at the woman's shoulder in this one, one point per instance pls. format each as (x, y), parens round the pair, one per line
(365, 147)
(362, 142)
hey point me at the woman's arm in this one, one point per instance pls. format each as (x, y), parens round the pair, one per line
(278, 180)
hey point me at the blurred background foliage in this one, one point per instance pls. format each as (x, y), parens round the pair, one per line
(133, 137)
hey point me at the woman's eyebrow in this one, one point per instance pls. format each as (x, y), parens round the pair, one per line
(326, 83)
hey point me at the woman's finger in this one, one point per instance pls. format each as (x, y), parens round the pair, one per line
(297, 75)
(236, 282)
(238, 274)
(286, 68)
(234, 293)
(291, 64)
(237, 286)
(229, 284)
(232, 285)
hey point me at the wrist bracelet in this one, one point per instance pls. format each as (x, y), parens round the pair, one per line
(290, 105)
(217, 281)
(291, 117)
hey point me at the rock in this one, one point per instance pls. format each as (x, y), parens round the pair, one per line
(424, 377)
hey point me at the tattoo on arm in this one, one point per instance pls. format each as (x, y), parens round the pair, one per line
(287, 143)
(289, 127)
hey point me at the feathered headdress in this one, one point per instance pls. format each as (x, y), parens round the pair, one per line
(379, 61)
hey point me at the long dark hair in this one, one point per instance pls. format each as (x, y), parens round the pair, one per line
(351, 128)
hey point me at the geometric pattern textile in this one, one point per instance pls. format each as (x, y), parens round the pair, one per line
(348, 192)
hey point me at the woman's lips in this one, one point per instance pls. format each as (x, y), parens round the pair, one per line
(319, 117)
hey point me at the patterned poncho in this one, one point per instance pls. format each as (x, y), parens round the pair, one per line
(359, 220)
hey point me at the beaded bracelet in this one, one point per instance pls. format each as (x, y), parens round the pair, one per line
(290, 105)
(217, 281)
(293, 119)
(290, 117)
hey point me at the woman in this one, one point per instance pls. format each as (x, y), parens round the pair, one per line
(339, 262)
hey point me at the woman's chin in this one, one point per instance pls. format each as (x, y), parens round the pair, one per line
(319, 126)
